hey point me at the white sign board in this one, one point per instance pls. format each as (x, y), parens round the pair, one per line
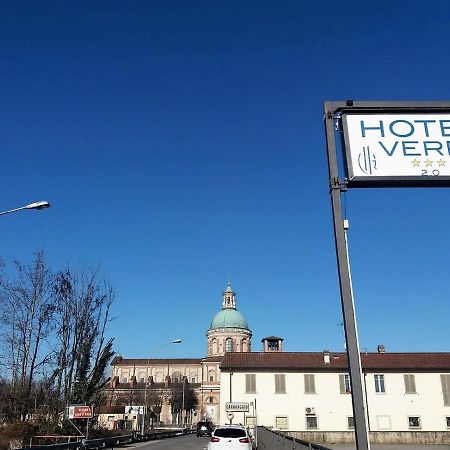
(129, 409)
(236, 407)
(397, 147)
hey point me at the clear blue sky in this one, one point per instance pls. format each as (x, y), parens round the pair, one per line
(181, 144)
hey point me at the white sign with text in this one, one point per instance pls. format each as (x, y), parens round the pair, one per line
(397, 145)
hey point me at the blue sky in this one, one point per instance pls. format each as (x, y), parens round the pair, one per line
(181, 145)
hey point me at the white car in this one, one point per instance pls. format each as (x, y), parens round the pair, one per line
(230, 437)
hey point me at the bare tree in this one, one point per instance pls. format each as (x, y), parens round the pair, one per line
(83, 312)
(26, 314)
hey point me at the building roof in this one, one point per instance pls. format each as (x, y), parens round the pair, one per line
(338, 361)
(272, 338)
(228, 318)
(154, 362)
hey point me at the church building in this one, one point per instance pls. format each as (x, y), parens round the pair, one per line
(134, 380)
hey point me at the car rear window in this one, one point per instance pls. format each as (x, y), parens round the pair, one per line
(230, 433)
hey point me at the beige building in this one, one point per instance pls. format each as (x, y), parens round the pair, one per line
(407, 395)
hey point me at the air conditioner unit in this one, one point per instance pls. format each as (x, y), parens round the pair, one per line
(310, 411)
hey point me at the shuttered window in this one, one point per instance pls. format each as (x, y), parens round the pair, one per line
(410, 384)
(445, 382)
(250, 383)
(344, 384)
(310, 385)
(280, 383)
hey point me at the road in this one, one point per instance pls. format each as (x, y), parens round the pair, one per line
(192, 442)
(189, 442)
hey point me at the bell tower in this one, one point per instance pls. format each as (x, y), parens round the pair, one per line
(229, 298)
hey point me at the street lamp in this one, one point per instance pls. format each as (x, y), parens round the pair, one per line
(35, 205)
(176, 341)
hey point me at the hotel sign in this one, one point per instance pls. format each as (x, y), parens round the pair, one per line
(397, 149)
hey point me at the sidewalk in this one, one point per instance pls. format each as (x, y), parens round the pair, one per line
(390, 447)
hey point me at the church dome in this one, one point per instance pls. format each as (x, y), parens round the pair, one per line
(228, 318)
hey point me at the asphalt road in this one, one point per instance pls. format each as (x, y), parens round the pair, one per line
(190, 442)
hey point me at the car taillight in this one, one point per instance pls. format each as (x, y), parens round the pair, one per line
(244, 440)
(214, 439)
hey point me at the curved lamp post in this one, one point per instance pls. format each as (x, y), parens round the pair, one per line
(35, 205)
(176, 341)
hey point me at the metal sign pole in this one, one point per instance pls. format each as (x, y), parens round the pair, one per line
(348, 310)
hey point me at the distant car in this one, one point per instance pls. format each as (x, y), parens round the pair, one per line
(204, 428)
(230, 437)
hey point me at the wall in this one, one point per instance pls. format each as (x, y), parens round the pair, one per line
(333, 408)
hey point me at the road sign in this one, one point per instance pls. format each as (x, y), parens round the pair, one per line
(236, 407)
(80, 412)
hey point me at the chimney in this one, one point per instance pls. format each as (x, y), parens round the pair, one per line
(381, 349)
(326, 356)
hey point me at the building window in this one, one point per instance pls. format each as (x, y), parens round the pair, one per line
(281, 422)
(124, 379)
(414, 421)
(211, 375)
(250, 421)
(344, 383)
(141, 380)
(111, 418)
(310, 385)
(379, 384)
(280, 383)
(250, 383)
(211, 400)
(193, 380)
(176, 377)
(447, 421)
(311, 422)
(445, 382)
(229, 345)
(350, 423)
(410, 384)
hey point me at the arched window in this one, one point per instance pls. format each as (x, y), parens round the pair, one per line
(176, 377)
(214, 346)
(159, 377)
(229, 345)
(244, 345)
(211, 374)
(124, 377)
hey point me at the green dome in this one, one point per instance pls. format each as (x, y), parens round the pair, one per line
(228, 318)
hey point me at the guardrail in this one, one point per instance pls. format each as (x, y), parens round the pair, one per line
(111, 442)
(274, 440)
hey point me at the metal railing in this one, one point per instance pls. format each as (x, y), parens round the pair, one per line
(111, 442)
(274, 440)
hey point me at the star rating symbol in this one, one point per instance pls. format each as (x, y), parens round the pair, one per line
(441, 163)
(428, 163)
(415, 163)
